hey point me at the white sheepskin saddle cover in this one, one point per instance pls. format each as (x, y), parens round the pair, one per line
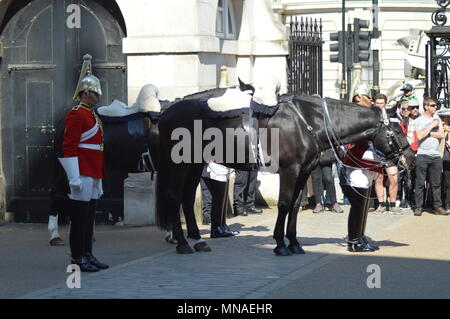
(147, 101)
(266, 92)
(233, 99)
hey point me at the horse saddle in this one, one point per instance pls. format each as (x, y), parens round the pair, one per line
(125, 140)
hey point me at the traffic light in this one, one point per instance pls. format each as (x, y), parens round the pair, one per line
(338, 47)
(361, 41)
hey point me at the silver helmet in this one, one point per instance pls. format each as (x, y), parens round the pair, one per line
(87, 81)
(90, 83)
(362, 90)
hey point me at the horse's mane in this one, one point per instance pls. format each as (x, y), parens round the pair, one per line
(315, 100)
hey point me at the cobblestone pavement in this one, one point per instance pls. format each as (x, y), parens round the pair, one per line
(239, 267)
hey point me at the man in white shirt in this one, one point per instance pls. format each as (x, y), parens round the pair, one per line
(429, 131)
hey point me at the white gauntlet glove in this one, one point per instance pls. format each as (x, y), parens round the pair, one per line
(70, 165)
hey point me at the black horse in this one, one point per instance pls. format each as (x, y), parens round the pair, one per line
(302, 125)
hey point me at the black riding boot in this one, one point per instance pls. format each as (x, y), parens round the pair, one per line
(226, 203)
(84, 264)
(356, 220)
(217, 190)
(78, 211)
(363, 225)
(88, 240)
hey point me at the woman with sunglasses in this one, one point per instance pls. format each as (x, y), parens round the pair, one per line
(429, 131)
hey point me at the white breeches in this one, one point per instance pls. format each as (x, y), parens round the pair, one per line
(91, 188)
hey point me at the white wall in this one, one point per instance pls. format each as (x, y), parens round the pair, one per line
(173, 44)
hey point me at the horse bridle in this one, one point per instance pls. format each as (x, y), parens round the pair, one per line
(396, 149)
(393, 142)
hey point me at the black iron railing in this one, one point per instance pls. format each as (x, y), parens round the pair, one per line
(305, 57)
(438, 57)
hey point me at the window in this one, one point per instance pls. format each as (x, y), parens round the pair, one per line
(225, 25)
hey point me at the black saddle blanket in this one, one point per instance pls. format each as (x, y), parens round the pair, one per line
(125, 139)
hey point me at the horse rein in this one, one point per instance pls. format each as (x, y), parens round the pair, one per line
(392, 141)
(396, 149)
(308, 127)
(337, 141)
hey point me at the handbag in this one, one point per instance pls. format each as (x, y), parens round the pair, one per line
(446, 157)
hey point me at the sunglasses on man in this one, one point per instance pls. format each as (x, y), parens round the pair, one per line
(410, 108)
(434, 105)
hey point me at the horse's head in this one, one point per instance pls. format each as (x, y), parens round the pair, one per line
(392, 142)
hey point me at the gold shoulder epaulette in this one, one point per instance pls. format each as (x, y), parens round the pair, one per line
(81, 106)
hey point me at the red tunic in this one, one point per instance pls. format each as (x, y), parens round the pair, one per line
(415, 141)
(91, 162)
(357, 152)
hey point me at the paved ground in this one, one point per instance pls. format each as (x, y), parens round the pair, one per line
(413, 262)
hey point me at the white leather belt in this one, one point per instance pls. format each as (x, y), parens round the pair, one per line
(97, 147)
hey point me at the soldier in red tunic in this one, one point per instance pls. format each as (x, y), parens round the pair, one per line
(84, 166)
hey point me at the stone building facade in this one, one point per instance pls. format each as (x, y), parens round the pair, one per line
(178, 45)
(397, 19)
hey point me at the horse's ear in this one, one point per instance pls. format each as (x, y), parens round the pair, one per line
(278, 89)
(245, 87)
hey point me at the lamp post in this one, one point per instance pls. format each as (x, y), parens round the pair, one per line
(343, 92)
(376, 52)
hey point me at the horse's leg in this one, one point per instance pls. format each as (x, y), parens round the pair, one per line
(188, 202)
(288, 181)
(291, 229)
(173, 196)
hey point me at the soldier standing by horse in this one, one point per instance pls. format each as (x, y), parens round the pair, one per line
(83, 163)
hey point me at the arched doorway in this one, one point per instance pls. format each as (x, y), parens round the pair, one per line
(41, 61)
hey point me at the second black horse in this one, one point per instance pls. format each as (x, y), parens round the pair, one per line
(304, 125)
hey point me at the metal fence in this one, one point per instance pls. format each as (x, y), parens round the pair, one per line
(305, 57)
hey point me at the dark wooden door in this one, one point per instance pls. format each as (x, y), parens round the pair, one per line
(39, 71)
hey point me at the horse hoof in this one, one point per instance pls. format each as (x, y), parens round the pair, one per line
(282, 251)
(296, 249)
(202, 247)
(184, 249)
